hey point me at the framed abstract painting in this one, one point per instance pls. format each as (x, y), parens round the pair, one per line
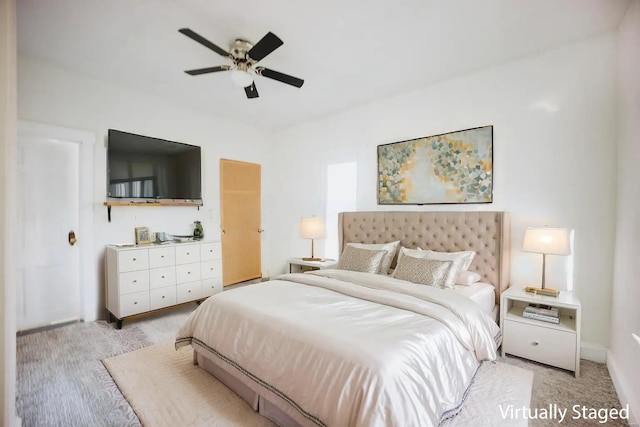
(455, 167)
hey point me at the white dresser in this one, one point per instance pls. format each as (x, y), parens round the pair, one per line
(142, 279)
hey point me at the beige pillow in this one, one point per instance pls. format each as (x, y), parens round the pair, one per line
(461, 260)
(358, 259)
(390, 248)
(423, 271)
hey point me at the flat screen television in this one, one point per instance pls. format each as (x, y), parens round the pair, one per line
(152, 169)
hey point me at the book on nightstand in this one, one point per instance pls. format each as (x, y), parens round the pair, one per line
(545, 310)
(541, 317)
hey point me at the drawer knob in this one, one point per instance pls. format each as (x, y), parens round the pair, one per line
(188, 272)
(135, 281)
(161, 256)
(134, 259)
(135, 302)
(188, 253)
(535, 343)
(162, 296)
(163, 277)
(189, 290)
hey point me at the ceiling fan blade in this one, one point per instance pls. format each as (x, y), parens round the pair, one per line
(251, 91)
(197, 37)
(265, 46)
(276, 75)
(208, 70)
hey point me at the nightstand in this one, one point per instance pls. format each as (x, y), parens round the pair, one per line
(549, 343)
(298, 265)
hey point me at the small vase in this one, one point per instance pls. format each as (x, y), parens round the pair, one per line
(198, 231)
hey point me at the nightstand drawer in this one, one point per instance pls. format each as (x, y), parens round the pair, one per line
(544, 345)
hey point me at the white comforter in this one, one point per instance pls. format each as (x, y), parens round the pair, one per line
(349, 349)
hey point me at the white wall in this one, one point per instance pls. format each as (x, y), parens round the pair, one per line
(624, 352)
(554, 160)
(52, 95)
(8, 107)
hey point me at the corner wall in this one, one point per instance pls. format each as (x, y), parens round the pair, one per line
(8, 107)
(52, 95)
(554, 161)
(624, 352)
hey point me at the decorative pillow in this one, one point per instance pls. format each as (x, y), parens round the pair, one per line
(461, 261)
(423, 271)
(358, 259)
(390, 248)
(467, 278)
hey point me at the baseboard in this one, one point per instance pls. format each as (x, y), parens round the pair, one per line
(626, 397)
(593, 352)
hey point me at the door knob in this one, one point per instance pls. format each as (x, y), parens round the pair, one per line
(72, 238)
(260, 230)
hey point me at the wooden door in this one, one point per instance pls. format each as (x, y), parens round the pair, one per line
(241, 220)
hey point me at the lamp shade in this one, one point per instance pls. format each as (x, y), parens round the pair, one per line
(312, 228)
(552, 241)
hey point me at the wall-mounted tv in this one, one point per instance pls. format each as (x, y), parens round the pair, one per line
(142, 167)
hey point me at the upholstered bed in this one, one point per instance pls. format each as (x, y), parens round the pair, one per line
(340, 347)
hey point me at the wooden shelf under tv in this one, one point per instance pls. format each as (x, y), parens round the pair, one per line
(108, 204)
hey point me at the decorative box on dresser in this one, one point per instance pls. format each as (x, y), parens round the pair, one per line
(549, 343)
(143, 279)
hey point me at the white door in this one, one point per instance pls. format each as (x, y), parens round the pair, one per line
(49, 205)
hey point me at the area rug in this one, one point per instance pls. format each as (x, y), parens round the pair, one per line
(166, 389)
(61, 380)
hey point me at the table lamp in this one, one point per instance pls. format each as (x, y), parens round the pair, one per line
(546, 241)
(312, 228)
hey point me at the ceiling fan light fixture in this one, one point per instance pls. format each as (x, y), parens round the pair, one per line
(242, 78)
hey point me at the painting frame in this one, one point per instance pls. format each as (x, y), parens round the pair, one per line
(143, 237)
(448, 168)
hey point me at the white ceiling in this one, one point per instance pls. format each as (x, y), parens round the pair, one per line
(348, 52)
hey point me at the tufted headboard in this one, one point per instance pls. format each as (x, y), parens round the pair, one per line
(486, 233)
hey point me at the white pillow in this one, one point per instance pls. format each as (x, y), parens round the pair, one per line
(467, 278)
(359, 259)
(423, 271)
(391, 249)
(467, 257)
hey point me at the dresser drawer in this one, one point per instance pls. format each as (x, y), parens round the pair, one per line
(162, 257)
(211, 269)
(131, 304)
(188, 272)
(539, 343)
(188, 292)
(134, 281)
(187, 254)
(133, 260)
(162, 297)
(161, 277)
(211, 286)
(209, 251)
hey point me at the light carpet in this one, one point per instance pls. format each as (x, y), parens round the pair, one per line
(166, 389)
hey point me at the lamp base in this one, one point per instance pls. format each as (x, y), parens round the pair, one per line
(542, 291)
(311, 259)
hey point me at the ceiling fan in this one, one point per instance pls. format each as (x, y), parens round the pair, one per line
(244, 56)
